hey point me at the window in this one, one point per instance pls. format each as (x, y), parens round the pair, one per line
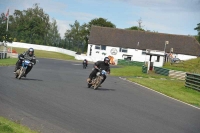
(97, 47)
(144, 52)
(100, 47)
(124, 50)
(103, 47)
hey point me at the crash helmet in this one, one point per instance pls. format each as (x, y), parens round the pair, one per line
(31, 51)
(106, 60)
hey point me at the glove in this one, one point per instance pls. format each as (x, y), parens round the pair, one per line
(96, 67)
(21, 58)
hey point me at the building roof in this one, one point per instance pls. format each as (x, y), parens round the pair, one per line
(143, 40)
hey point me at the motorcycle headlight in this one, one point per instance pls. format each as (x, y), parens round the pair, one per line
(103, 72)
(98, 73)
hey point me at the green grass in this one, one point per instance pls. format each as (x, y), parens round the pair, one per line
(8, 61)
(46, 54)
(164, 84)
(134, 71)
(7, 126)
(192, 65)
(38, 54)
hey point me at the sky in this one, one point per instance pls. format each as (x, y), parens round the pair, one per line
(163, 16)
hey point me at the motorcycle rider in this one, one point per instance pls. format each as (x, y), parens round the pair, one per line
(85, 62)
(103, 65)
(28, 55)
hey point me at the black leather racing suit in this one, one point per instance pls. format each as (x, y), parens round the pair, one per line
(25, 55)
(101, 65)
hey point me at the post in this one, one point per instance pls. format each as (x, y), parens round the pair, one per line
(7, 24)
(166, 42)
(5, 49)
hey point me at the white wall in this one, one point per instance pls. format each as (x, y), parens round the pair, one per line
(136, 54)
(42, 47)
(184, 57)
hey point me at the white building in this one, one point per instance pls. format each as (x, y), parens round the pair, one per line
(139, 45)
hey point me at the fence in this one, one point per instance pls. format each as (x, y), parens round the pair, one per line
(162, 71)
(3, 51)
(42, 47)
(192, 81)
(3, 55)
(144, 69)
(129, 63)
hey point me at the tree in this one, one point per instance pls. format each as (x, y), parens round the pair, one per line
(76, 36)
(101, 22)
(53, 37)
(4, 35)
(135, 28)
(31, 25)
(198, 30)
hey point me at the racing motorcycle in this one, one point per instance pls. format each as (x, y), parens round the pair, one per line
(84, 64)
(20, 72)
(96, 81)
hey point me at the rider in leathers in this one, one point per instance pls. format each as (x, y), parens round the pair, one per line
(85, 62)
(29, 55)
(103, 65)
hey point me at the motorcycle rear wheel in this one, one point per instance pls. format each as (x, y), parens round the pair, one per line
(98, 82)
(84, 66)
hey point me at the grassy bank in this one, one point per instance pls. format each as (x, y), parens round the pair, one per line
(8, 62)
(192, 66)
(7, 126)
(164, 84)
(38, 54)
(47, 54)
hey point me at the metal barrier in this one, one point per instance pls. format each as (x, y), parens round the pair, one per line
(130, 63)
(162, 71)
(3, 55)
(192, 81)
(144, 69)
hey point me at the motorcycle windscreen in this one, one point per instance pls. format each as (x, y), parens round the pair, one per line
(26, 62)
(103, 72)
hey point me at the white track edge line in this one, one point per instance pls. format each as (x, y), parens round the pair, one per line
(160, 93)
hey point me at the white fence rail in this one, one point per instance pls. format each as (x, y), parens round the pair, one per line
(42, 47)
(53, 49)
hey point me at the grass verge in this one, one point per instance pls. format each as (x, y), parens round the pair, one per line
(191, 65)
(46, 54)
(7, 126)
(38, 54)
(8, 61)
(163, 84)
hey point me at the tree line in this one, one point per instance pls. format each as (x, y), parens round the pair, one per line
(34, 26)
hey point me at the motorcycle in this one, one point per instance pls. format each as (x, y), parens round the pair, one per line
(96, 81)
(84, 64)
(20, 72)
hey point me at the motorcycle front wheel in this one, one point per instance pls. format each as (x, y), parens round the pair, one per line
(97, 83)
(22, 71)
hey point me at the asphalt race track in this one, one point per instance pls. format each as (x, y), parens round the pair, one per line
(54, 98)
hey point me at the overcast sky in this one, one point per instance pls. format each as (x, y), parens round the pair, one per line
(163, 16)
